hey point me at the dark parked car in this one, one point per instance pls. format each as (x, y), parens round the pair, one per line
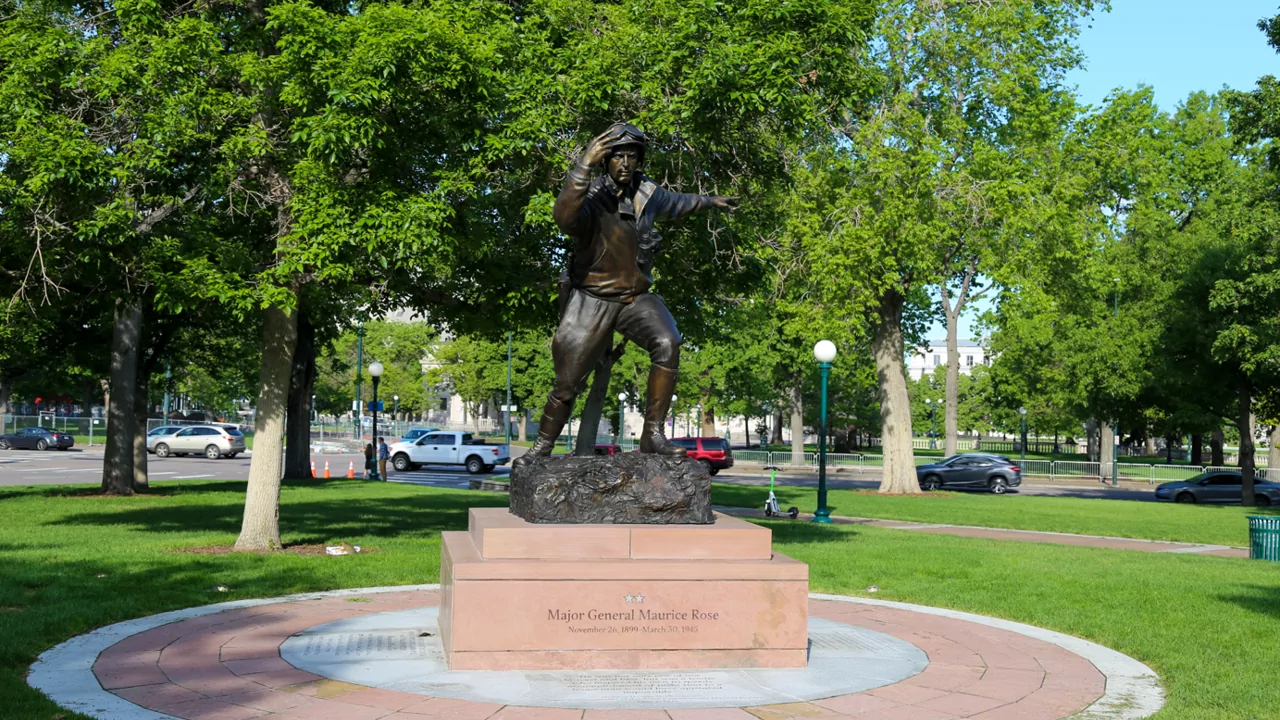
(605, 449)
(35, 438)
(971, 470)
(712, 452)
(1218, 487)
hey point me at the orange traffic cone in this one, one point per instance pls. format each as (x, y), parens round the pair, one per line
(326, 469)
(313, 468)
(351, 470)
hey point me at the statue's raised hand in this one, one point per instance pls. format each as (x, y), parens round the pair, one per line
(725, 202)
(599, 147)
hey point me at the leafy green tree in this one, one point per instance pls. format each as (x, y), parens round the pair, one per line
(908, 185)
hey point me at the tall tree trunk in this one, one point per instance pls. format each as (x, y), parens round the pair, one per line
(951, 403)
(1168, 449)
(797, 423)
(1106, 448)
(117, 462)
(140, 406)
(1215, 449)
(1273, 455)
(302, 380)
(593, 409)
(1244, 422)
(88, 390)
(260, 529)
(524, 426)
(1149, 447)
(1092, 444)
(1197, 449)
(775, 437)
(895, 407)
(708, 419)
(6, 392)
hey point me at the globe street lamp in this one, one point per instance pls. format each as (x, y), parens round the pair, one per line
(1023, 412)
(824, 352)
(933, 425)
(375, 372)
(674, 398)
(622, 425)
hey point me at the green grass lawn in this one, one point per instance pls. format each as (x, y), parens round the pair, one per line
(1211, 524)
(73, 562)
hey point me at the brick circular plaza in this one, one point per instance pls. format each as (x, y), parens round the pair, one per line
(225, 662)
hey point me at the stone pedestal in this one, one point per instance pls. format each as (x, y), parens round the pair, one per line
(524, 596)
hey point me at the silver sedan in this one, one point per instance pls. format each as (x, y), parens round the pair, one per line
(1218, 487)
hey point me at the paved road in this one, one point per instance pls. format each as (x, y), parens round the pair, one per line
(30, 467)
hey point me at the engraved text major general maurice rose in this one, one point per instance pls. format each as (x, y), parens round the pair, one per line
(634, 620)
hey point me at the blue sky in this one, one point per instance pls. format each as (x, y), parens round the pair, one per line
(1174, 46)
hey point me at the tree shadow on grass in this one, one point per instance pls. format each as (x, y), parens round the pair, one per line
(804, 531)
(307, 522)
(1258, 599)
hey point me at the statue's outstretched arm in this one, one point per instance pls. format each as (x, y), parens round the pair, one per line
(677, 205)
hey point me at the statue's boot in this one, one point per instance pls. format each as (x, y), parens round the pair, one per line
(662, 384)
(554, 415)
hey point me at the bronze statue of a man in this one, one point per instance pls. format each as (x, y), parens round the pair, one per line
(610, 219)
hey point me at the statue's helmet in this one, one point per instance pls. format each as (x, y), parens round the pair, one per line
(628, 135)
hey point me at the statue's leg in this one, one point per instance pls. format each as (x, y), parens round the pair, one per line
(649, 324)
(585, 332)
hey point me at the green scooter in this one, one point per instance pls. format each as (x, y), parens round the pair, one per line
(771, 505)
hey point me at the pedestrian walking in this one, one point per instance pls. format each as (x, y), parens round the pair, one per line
(368, 460)
(384, 452)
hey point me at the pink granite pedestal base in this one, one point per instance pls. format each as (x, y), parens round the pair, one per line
(520, 596)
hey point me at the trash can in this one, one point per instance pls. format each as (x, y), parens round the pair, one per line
(1264, 537)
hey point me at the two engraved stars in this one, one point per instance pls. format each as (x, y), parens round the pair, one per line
(633, 598)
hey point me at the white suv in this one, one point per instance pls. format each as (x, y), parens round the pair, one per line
(212, 441)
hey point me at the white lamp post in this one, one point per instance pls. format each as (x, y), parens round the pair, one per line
(622, 409)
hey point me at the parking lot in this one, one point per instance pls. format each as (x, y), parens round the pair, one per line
(79, 466)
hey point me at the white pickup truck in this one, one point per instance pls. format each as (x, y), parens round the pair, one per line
(448, 448)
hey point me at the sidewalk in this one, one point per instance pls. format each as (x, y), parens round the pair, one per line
(1031, 536)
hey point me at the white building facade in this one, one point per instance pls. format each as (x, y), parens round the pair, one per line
(925, 360)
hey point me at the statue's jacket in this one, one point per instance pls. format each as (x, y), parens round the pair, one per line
(613, 231)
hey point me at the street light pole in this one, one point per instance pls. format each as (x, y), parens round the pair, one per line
(673, 414)
(375, 372)
(507, 412)
(359, 363)
(622, 424)
(933, 425)
(1023, 412)
(824, 352)
(1115, 448)
(395, 415)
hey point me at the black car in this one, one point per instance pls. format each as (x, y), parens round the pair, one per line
(971, 470)
(36, 438)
